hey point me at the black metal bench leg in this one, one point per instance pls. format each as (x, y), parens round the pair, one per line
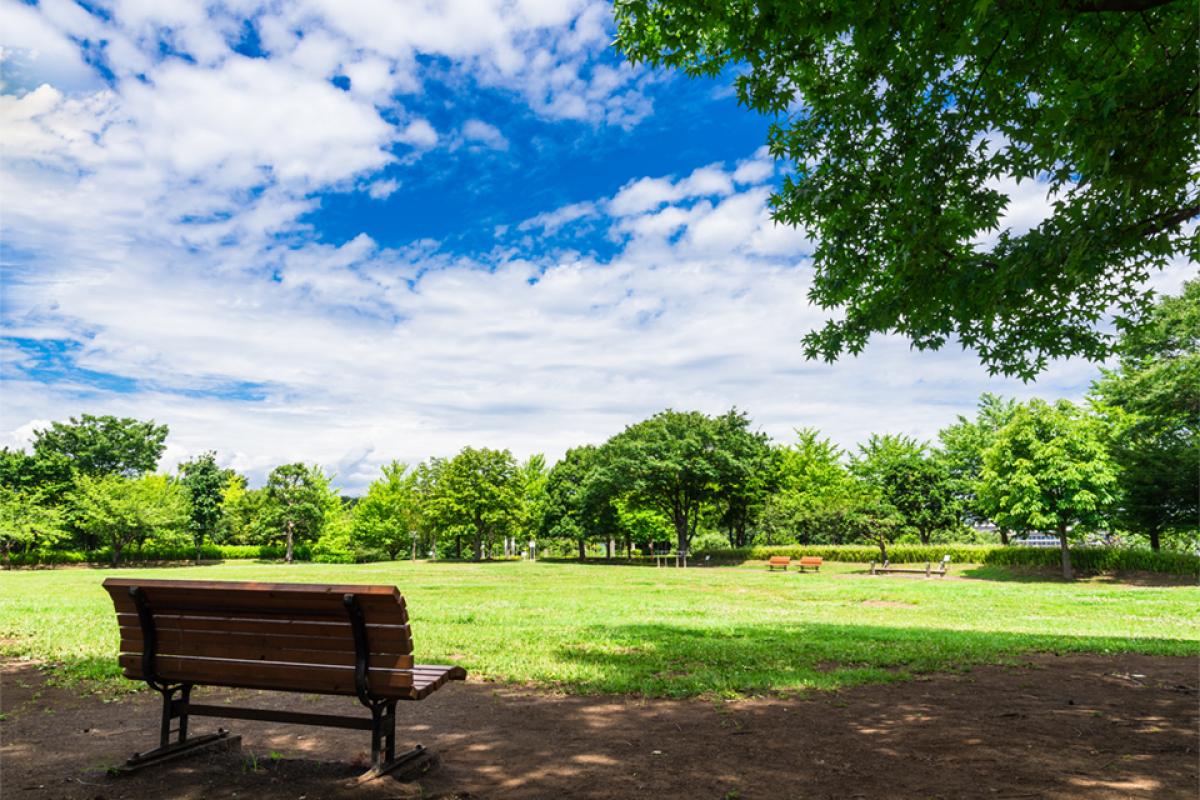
(176, 707)
(384, 760)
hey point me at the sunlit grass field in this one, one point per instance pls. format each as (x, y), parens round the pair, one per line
(594, 628)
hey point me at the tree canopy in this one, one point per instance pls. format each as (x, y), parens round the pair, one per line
(104, 445)
(205, 484)
(1156, 432)
(906, 125)
(1049, 469)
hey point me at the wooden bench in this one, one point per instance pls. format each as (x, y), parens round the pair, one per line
(814, 562)
(288, 637)
(781, 562)
(888, 569)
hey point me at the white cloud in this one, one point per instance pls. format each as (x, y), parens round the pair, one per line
(478, 131)
(382, 190)
(550, 222)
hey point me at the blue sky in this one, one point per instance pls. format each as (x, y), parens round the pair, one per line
(347, 233)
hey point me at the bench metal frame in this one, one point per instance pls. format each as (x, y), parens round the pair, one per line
(177, 703)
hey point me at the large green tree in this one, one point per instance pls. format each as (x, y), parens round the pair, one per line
(120, 511)
(296, 503)
(205, 483)
(1153, 397)
(906, 476)
(1049, 470)
(813, 496)
(580, 500)
(388, 516)
(906, 125)
(478, 494)
(678, 462)
(104, 445)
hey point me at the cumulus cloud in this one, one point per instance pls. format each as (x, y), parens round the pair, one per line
(476, 131)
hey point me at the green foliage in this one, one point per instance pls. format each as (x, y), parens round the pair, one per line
(205, 484)
(26, 524)
(388, 517)
(1152, 401)
(478, 493)
(120, 510)
(962, 448)
(677, 462)
(103, 445)
(580, 499)
(1049, 469)
(298, 500)
(905, 477)
(903, 122)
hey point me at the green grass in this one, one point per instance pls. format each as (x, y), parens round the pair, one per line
(661, 632)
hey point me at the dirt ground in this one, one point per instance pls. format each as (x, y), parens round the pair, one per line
(1057, 727)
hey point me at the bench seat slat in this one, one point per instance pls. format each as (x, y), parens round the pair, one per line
(317, 679)
(410, 684)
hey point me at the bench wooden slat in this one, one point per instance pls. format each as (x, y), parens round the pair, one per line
(395, 639)
(252, 647)
(319, 605)
(318, 679)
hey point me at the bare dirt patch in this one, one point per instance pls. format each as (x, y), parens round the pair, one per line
(1076, 726)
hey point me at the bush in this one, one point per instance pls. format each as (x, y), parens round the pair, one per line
(1097, 559)
(1083, 559)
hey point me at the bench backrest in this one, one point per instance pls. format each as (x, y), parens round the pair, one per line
(812, 561)
(777, 560)
(289, 636)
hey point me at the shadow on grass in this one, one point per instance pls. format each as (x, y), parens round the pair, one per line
(662, 660)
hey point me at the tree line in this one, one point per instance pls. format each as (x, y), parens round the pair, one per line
(1125, 463)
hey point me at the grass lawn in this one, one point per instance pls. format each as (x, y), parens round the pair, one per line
(660, 632)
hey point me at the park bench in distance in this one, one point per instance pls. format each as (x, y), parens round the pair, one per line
(289, 637)
(811, 562)
(781, 562)
(887, 569)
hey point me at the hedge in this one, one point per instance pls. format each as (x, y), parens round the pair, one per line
(156, 552)
(1084, 559)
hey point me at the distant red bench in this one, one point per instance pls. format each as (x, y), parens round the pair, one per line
(780, 562)
(813, 562)
(288, 637)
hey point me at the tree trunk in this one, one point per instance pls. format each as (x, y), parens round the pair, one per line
(1154, 539)
(287, 557)
(608, 549)
(116, 554)
(1003, 536)
(582, 550)
(882, 549)
(1066, 553)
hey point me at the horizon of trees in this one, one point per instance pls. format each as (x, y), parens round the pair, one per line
(1125, 463)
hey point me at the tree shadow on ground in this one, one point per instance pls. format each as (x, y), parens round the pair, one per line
(668, 660)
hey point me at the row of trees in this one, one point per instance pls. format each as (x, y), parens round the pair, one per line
(1124, 463)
